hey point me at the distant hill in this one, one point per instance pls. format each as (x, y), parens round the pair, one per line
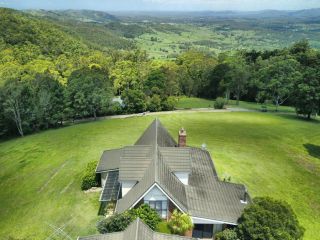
(90, 26)
(78, 15)
(307, 13)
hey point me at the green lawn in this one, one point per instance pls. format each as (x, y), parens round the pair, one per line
(274, 155)
(192, 102)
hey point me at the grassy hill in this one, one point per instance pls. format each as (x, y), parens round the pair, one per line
(40, 175)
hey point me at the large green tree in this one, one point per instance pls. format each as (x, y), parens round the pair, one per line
(48, 97)
(307, 93)
(18, 104)
(276, 78)
(88, 92)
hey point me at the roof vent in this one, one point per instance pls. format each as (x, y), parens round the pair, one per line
(244, 198)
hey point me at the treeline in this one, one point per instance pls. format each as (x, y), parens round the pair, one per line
(289, 76)
(48, 77)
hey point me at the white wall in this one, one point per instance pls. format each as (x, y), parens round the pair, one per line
(183, 177)
(103, 178)
(126, 186)
(155, 194)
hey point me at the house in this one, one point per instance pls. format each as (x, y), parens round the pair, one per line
(169, 175)
(137, 230)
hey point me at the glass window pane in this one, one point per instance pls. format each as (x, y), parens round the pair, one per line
(158, 205)
(164, 205)
(164, 214)
(152, 204)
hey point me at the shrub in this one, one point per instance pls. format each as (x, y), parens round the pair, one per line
(148, 215)
(89, 178)
(269, 219)
(180, 223)
(115, 223)
(228, 234)
(163, 227)
(219, 103)
(154, 103)
(169, 104)
(134, 101)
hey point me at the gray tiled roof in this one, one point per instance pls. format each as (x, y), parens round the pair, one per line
(109, 160)
(137, 230)
(156, 134)
(134, 161)
(205, 195)
(178, 159)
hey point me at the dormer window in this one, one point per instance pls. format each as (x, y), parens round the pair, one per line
(183, 177)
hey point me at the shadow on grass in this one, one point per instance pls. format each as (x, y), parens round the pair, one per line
(295, 117)
(313, 150)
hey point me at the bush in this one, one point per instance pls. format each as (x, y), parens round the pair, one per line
(134, 101)
(269, 219)
(120, 222)
(219, 103)
(169, 104)
(154, 103)
(180, 223)
(89, 178)
(163, 227)
(228, 234)
(148, 215)
(115, 223)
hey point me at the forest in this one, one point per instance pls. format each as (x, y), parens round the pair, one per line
(52, 73)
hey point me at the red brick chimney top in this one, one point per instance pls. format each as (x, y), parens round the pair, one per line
(182, 139)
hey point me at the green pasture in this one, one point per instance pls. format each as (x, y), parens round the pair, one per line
(275, 155)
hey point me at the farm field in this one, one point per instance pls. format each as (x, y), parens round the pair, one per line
(40, 175)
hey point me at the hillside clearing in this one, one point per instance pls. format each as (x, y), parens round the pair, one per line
(274, 155)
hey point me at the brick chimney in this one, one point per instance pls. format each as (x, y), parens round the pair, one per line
(182, 140)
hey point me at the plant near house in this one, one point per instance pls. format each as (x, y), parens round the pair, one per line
(148, 215)
(115, 223)
(269, 219)
(89, 178)
(228, 234)
(180, 223)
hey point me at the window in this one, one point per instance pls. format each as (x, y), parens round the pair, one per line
(161, 207)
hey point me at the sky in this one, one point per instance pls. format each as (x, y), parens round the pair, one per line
(162, 5)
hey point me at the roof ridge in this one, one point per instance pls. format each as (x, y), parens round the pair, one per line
(156, 154)
(137, 229)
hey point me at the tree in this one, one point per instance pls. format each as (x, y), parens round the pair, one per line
(307, 93)
(276, 78)
(237, 77)
(88, 92)
(18, 104)
(134, 101)
(269, 219)
(125, 76)
(180, 223)
(48, 95)
(148, 215)
(193, 71)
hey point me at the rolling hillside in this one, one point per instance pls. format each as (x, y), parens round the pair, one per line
(40, 175)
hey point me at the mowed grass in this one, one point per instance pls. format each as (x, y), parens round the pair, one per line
(40, 175)
(192, 102)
